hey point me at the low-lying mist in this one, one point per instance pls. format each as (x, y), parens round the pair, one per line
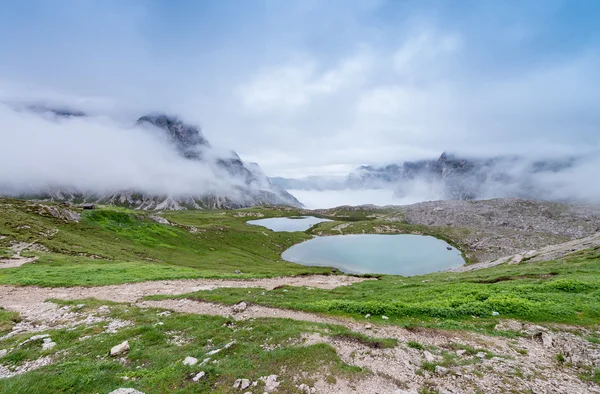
(42, 151)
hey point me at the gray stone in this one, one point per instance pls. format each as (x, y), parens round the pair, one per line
(546, 339)
(120, 348)
(441, 371)
(199, 376)
(480, 355)
(461, 352)
(190, 361)
(428, 356)
(48, 345)
(384, 317)
(244, 384)
(304, 388)
(495, 313)
(239, 307)
(125, 391)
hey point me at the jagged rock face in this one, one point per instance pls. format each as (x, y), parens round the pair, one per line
(456, 178)
(188, 139)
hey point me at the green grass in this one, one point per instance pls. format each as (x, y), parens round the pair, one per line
(7, 320)
(115, 245)
(262, 347)
(555, 291)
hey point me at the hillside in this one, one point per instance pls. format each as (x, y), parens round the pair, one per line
(206, 304)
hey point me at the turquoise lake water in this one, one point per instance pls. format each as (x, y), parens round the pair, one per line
(398, 254)
(302, 223)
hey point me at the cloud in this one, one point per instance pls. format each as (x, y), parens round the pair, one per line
(291, 87)
(322, 87)
(41, 151)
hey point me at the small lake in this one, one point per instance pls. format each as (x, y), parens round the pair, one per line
(397, 254)
(299, 223)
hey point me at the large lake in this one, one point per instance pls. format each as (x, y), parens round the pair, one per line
(398, 254)
(301, 223)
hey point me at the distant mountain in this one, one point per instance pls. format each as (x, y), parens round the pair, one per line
(449, 177)
(249, 185)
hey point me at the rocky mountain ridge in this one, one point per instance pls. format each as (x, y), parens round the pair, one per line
(249, 186)
(449, 177)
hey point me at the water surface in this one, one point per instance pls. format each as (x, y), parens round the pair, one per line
(298, 223)
(399, 254)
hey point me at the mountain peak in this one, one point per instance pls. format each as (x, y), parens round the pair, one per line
(188, 138)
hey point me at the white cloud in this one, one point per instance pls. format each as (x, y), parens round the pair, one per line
(292, 87)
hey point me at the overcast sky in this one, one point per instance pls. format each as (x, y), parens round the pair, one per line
(311, 87)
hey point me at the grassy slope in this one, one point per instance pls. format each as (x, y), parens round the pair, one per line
(556, 291)
(118, 246)
(87, 368)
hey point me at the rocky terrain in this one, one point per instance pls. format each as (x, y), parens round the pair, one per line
(502, 227)
(443, 362)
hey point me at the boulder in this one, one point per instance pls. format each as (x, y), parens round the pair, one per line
(120, 348)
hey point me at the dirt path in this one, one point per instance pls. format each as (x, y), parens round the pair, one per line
(18, 298)
(524, 364)
(17, 260)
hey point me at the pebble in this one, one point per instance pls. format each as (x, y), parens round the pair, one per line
(384, 317)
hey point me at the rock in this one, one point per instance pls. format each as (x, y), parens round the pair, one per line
(516, 259)
(368, 315)
(237, 383)
(199, 376)
(449, 247)
(205, 361)
(237, 271)
(304, 388)
(244, 384)
(546, 339)
(368, 327)
(239, 307)
(159, 219)
(384, 317)
(428, 356)
(425, 281)
(120, 348)
(441, 371)
(3, 353)
(48, 344)
(41, 336)
(271, 382)
(509, 325)
(125, 391)
(480, 355)
(461, 352)
(227, 346)
(190, 361)
(495, 313)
